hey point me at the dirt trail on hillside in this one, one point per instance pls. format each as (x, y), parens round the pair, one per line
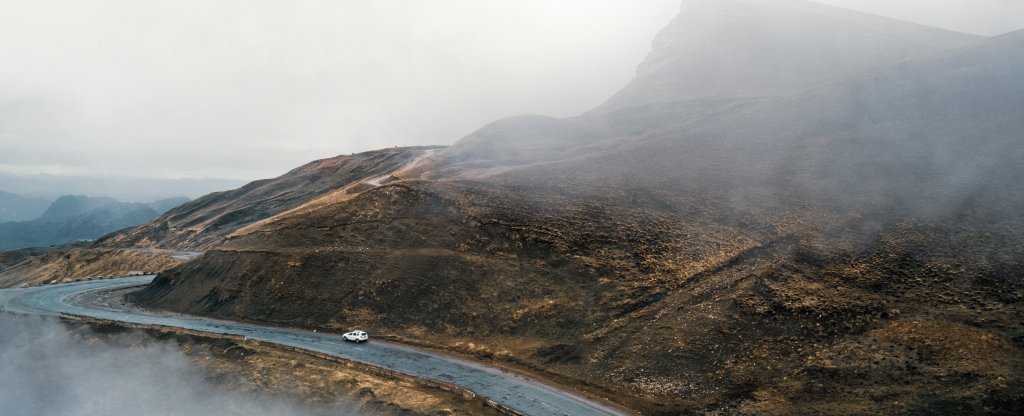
(379, 180)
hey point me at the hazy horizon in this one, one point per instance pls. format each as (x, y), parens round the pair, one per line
(204, 90)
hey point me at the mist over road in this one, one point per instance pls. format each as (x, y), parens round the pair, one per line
(526, 396)
(52, 369)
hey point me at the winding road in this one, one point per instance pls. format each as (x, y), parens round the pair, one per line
(516, 392)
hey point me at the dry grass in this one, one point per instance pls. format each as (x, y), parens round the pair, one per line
(73, 264)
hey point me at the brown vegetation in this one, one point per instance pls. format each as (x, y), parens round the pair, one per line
(66, 264)
(205, 222)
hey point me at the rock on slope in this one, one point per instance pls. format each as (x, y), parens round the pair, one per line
(766, 256)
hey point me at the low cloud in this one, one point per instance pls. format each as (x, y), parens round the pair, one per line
(47, 370)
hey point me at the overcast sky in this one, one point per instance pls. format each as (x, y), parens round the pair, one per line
(245, 89)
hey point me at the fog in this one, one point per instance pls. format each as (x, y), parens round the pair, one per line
(47, 370)
(770, 102)
(224, 89)
(980, 17)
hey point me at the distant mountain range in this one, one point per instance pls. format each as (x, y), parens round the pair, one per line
(14, 207)
(75, 217)
(124, 188)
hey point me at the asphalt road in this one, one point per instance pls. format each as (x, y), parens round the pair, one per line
(522, 394)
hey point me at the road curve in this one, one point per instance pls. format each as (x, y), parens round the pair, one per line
(516, 392)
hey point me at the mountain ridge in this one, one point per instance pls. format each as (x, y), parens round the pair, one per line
(207, 221)
(741, 24)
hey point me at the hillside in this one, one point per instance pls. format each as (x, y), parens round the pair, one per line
(845, 241)
(206, 221)
(187, 227)
(69, 263)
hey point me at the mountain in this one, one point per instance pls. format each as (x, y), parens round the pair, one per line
(847, 240)
(70, 206)
(206, 221)
(716, 55)
(727, 49)
(14, 207)
(71, 218)
(928, 135)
